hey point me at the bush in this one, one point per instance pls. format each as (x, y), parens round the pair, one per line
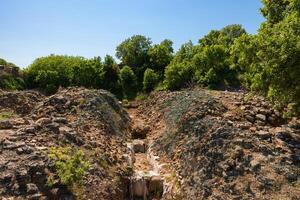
(178, 75)
(9, 82)
(151, 79)
(48, 80)
(129, 82)
(70, 166)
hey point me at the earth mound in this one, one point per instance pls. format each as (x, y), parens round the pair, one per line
(225, 145)
(76, 118)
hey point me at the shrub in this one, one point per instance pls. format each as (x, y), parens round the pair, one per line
(178, 75)
(151, 79)
(9, 82)
(129, 82)
(70, 166)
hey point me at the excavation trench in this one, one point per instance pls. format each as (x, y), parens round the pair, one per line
(145, 182)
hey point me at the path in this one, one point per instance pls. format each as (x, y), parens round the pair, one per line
(146, 182)
(152, 177)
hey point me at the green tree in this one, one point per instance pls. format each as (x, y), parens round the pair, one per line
(128, 82)
(160, 55)
(110, 75)
(48, 80)
(178, 75)
(133, 52)
(212, 67)
(151, 80)
(3, 62)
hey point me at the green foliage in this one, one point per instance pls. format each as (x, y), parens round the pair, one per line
(110, 76)
(6, 115)
(3, 62)
(151, 79)
(128, 82)
(178, 75)
(207, 63)
(8, 79)
(50, 72)
(160, 56)
(269, 61)
(71, 166)
(133, 51)
(10, 82)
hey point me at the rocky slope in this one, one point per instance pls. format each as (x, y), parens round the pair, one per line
(225, 145)
(185, 145)
(90, 120)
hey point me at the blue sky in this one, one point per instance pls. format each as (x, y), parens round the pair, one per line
(34, 28)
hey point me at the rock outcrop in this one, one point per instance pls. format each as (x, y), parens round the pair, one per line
(225, 145)
(90, 120)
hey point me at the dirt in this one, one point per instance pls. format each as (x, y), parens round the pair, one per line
(90, 120)
(225, 145)
(185, 145)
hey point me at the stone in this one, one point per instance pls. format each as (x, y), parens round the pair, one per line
(139, 146)
(30, 129)
(43, 121)
(31, 188)
(54, 127)
(37, 196)
(156, 186)
(291, 177)
(139, 188)
(5, 124)
(261, 117)
(73, 137)
(64, 129)
(250, 118)
(264, 135)
(60, 120)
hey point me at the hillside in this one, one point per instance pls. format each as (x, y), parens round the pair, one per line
(224, 145)
(31, 124)
(189, 144)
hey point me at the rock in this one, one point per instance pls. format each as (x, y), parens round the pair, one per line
(24, 150)
(264, 135)
(155, 187)
(261, 117)
(32, 188)
(291, 177)
(64, 129)
(9, 145)
(139, 146)
(139, 188)
(30, 129)
(5, 124)
(295, 124)
(54, 127)
(43, 121)
(60, 120)
(250, 118)
(22, 178)
(37, 196)
(73, 137)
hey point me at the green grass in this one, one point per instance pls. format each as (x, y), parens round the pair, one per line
(6, 115)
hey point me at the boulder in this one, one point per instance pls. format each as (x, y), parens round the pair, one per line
(5, 124)
(31, 188)
(261, 117)
(139, 146)
(156, 186)
(43, 121)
